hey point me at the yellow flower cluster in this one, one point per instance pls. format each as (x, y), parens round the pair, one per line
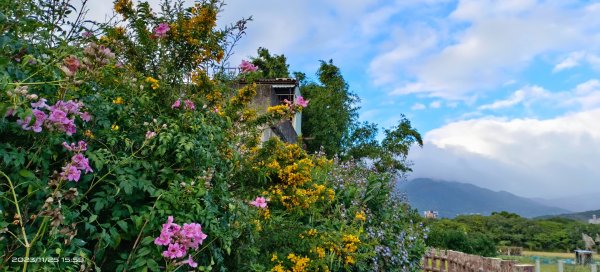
(193, 28)
(350, 242)
(124, 7)
(360, 216)
(300, 263)
(320, 252)
(118, 100)
(153, 82)
(309, 233)
(244, 95)
(290, 168)
(281, 110)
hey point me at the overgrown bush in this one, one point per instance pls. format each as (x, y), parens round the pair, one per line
(123, 150)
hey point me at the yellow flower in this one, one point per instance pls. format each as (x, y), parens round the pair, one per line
(320, 252)
(360, 216)
(274, 258)
(153, 83)
(278, 268)
(88, 133)
(114, 127)
(311, 232)
(350, 260)
(118, 100)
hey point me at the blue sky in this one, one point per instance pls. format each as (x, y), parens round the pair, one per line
(506, 93)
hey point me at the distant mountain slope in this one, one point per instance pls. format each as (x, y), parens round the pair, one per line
(454, 198)
(580, 216)
(577, 203)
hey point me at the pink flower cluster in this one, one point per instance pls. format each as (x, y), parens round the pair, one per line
(180, 239)
(60, 116)
(72, 171)
(259, 202)
(247, 66)
(188, 104)
(161, 30)
(300, 103)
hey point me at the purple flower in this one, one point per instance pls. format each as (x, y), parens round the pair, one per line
(69, 127)
(24, 123)
(86, 34)
(177, 104)
(189, 105)
(86, 117)
(71, 172)
(40, 104)
(247, 66)
(40, 117)
(302, 102)
(58, 116)
(82, 146)
(81, 163)
(161, 30)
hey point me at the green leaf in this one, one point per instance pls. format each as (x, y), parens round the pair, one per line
(122, 224)
(152, 265)
(93, 218)
(26, 173)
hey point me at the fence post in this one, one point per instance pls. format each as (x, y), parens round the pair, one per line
(594, 267)
(537, 265)
(561, 266)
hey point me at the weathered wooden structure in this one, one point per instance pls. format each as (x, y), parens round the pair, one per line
(454, 261)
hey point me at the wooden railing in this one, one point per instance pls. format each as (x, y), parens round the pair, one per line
(454, 261)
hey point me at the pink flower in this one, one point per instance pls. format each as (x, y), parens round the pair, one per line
(150, 134)
(189, 105)
(247, 66)
(72, 63)
(86, 34)
(259, 202)
(302, 102)
(191, 262)
(163, 240)
(161, 30)
(71, 172)
(86, 117)
(174, 251)
(177, 104)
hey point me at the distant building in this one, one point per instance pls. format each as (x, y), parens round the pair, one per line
(594, 220)
(430, 214)
(272, 92)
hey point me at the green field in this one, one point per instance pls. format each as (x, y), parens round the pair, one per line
(549, 260)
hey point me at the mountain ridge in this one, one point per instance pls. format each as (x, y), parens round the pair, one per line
(452, 198)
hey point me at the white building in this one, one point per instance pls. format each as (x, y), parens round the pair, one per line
(594, 220)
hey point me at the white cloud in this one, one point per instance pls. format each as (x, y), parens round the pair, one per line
(497, 40)
(435, 104)
(418, 106)
(524, 95)
(572, 60)
(531, 157)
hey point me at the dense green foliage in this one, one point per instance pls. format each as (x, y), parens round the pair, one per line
(327, 123)
(509, 229)
(120, 151)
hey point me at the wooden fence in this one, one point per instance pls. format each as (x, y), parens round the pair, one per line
(454, 261)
